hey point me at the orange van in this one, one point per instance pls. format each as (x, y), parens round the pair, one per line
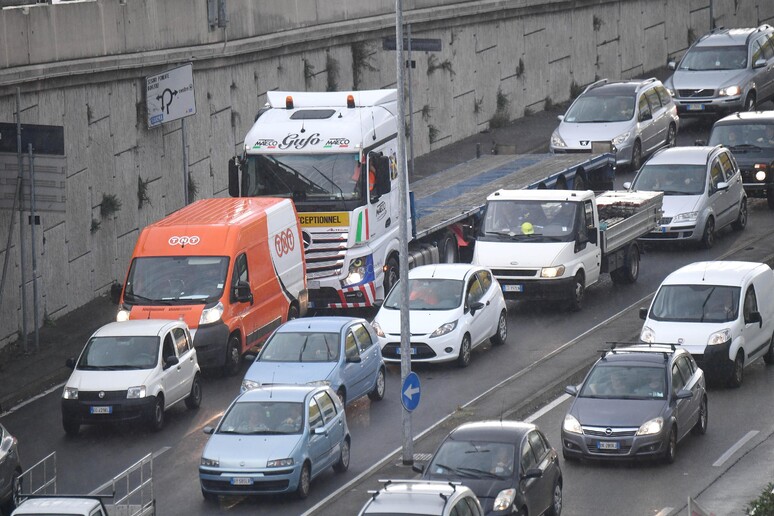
(233, 269)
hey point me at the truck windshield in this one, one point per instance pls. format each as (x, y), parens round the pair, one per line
(176, 279)
(120, 353)
(530, 221)
(305, 177)
(696, 303)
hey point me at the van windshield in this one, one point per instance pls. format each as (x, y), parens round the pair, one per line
(530, 221)
(120, 353)
(176, 279)
(696, 303)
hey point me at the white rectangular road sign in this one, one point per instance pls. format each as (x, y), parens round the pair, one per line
(170, 95)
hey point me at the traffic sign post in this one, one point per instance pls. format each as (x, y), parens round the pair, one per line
(410, 392)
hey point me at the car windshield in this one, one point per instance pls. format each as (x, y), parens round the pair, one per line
(715, 58)
(743, 137)
(120, 353)
(696, 303)
(262, 418)
(473, 459)
(600, 109)
(625, 382)
(427, 294)
(671, 179)
(176, 279)
(530, 221)
(301, 347)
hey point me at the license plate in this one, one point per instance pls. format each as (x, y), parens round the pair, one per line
(241, 481)
(413, 351)
(607, 445)
(313, 284)
(664, 229)
(695, 107)
(101, 410)
(513, 288)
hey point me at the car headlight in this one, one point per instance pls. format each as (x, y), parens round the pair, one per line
(572, 425)
(647, 335)
(730, 91)
(213, 463)
(135, 392)
(70, 393)
(249, 385)
(123, 315)
(618, 140)
(719, 337)
(444, 329)
(670, 90)
(504, 499)
(279, 463)
(690, 216)
(760, 171)
(552, 272)
(557, 141)
(211, 315)
(651, 427)
(377, 329)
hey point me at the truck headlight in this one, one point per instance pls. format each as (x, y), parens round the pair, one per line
(618, 140)
(719, 337)
(249, 385)
(647, 335)
(552, 272)
(378, 329)
(689, 216)
(133, 393)
(557, 141)
(211, 315)
(279, 463)
(123, 315)
(730, 91)
(70, 393)
(572, 425)
(212, 463)
(651, 427)
(504, 499)
(358, 270)
(444, 329)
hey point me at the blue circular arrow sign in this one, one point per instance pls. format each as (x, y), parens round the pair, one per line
(410, 392)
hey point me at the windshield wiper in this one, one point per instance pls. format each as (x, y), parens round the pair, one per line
(744, 146)
(138, 297)
(479, 472)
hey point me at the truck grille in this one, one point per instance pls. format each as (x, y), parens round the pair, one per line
(514, 273)
(107, 395)
(701, 93)
(325, 252)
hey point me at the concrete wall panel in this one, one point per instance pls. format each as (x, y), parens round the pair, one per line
(80, 283)
(53, 266)
(676, 27)
(79, 203)
(654, 50)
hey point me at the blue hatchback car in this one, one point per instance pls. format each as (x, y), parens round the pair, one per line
(342, 352)
(275, 439)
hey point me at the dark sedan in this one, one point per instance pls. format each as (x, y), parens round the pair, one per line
(636, 401)
(509, 465)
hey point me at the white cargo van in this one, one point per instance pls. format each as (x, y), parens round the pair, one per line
(722, 312)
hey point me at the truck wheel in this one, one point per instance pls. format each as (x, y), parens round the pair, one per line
(770, 198)
(194, 399)
(631, 269)
(233, 356)
(579, 291)
(71, 427)
(708, 238)
(292, 312)
(498, 339)
(578, 183)
(390, 274)
(741, 219)
(449, 250)
(737, 373)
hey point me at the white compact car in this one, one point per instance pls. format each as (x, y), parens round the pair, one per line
(132, 370)
(453, 308)
(722, 312)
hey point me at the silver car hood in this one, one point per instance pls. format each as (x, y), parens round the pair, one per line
(712, 79)
(676, 204)
(573, 133)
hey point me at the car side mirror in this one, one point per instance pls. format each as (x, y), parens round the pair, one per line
(643, 313)
(233, 177)
(320, 430)
(208, 430)
(699, 143)
(627, 185)
(760, 63)
(171, 361)
(572, 390)
(532, 473)
(70, 362)
(474, 307)
(115, 292)
(722, 185)
(672, 65)
(418, 468)
(354, 359)
(242, 292)
(684, 394)
(754, 317)
(560, 118)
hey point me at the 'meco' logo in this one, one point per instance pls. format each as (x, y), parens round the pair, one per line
(183, 241)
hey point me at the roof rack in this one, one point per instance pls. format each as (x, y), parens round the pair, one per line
(388, 482)
(615, 348)
(595, 84)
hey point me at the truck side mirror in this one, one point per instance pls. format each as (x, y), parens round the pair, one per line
(754, 317)
(643, 313)
(70, 362)
(115, 292)
(382, 167)
(591, 234)
(233, 177)
(242, 292)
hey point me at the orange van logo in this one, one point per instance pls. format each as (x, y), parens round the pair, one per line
(184, 240)
(284, 242)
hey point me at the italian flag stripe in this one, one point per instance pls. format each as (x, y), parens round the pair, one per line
(359, 233)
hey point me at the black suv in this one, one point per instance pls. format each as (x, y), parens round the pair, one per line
(636, 401)
(750, 137)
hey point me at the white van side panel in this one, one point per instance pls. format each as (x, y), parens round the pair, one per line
(285, 246)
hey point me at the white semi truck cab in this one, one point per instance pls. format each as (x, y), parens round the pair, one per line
(335, 155)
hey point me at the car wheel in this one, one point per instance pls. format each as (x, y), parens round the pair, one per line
(304, 482)
(233, 356)
(71, 427)
(463, 360)
(741, 219)
(343, 463)
(769, 356)
(156, 417)
(342, 394)
(194, 399)
(631, 270)
(209, 497)
(579, 291)
(556, 501)
(578, 183)
(708, 237)
(671, 139)
(636, 161)
(377, 393)
(498, 339)
(700, 428)
(390, 274)
(737, 373)
(749, 102)
(770, 198)
(671, 450)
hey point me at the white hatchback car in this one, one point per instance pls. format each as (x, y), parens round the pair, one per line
(703, 193)
(721, 312)
(453, 308)
(132, 370)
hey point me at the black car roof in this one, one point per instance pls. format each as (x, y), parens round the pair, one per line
(492, 431)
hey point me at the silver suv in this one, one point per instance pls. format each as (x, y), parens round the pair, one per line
(724, 71)
(637, 116)
(416, 497)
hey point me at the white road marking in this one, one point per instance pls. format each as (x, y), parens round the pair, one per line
(723, 458)
(540, 413)
(664, 511)
(27, 402)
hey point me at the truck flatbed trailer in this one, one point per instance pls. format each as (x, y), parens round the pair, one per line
(462, 190)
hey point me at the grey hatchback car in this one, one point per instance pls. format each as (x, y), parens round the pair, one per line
(725, 70)
(636, 401)
(637, 116)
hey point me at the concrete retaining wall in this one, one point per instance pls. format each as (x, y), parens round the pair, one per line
(82, 65)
